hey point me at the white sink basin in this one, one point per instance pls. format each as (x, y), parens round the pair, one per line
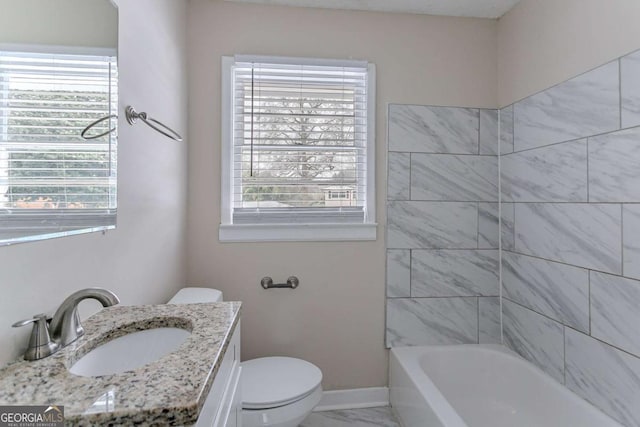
(130, 351)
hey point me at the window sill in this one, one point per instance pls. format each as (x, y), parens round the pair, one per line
(297, 232)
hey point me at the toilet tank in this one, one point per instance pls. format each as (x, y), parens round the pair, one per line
(196, 295)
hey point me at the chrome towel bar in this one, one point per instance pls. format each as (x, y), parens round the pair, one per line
(132, 117)
(83, 134)
(267, 283)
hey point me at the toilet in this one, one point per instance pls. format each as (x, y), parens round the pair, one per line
(276, 391)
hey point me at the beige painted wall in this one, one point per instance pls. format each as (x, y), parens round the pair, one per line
(62, 22)
(336, 317)
(544, 42)
(143, 260)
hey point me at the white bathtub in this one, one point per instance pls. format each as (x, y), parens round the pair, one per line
(481, 386)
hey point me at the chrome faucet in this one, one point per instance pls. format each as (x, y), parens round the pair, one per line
(65, 327)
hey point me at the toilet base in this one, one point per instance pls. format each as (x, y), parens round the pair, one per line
(290, 415)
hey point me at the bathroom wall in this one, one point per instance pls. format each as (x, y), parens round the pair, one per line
(143, 259)
(570, 168)
(336, 318)
(442, 226)
(544, 42)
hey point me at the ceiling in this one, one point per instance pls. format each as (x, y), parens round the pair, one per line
(468, 8)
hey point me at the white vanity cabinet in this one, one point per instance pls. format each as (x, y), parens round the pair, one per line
(223, 407)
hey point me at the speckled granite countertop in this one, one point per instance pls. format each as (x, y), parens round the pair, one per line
(169, 391)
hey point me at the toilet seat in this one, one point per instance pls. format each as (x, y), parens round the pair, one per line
(272, 382)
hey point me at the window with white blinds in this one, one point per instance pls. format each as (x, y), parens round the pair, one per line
(299, 141)
(51, 179)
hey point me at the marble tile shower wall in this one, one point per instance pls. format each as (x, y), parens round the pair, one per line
(570, 182)
(442, 226)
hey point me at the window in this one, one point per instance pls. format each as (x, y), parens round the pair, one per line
(51, 179)
(298, 149)
(338, 194)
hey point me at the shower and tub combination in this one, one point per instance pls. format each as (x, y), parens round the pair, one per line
(513, 257)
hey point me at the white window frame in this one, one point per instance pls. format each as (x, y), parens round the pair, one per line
(230, 232)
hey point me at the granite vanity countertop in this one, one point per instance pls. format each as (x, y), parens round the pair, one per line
(168, 391)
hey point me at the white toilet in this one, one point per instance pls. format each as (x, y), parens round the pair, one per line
(276, 391)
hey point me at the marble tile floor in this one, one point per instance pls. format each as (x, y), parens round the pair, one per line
(368, 417)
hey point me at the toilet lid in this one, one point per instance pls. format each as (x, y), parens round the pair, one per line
(270, 382)
(196, 295)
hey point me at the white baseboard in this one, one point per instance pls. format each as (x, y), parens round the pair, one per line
(370, 397)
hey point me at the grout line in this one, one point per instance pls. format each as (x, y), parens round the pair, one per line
(514, 226)
(449, 249)
(571, 265)
(477, 225)
(519, 202)
(588, 187)
(456, 201)
(564, 355)
(622, 239)
(479, 120)
(500, 224)
(635, 356)
(572, 140)
(478, 318)
(620, 91)
(589, 284)
(410, 273)
(410, 174)
(513, 128)
(451, 297)
(546, 316)
(555, 321)
(428, 153)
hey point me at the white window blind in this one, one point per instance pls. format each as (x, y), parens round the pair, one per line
(51, 179)
(299, 138)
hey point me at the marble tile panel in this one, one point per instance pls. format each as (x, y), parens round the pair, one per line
(506, 130)
(489, 138)
(398, 273)
(488, 226)
(507, 226)
(440, 225)
(614, 162)
(536, 338)
(630, 89)
(398, 180)
(447, 273)
(557, 173)
(427, 129)
(367, 417)
(615, 311)
(604, 376)
(557, 290)
(631, 240)
(431, 321)
(585, 235)
(585, 105)
(489, 320)
(454, 178)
